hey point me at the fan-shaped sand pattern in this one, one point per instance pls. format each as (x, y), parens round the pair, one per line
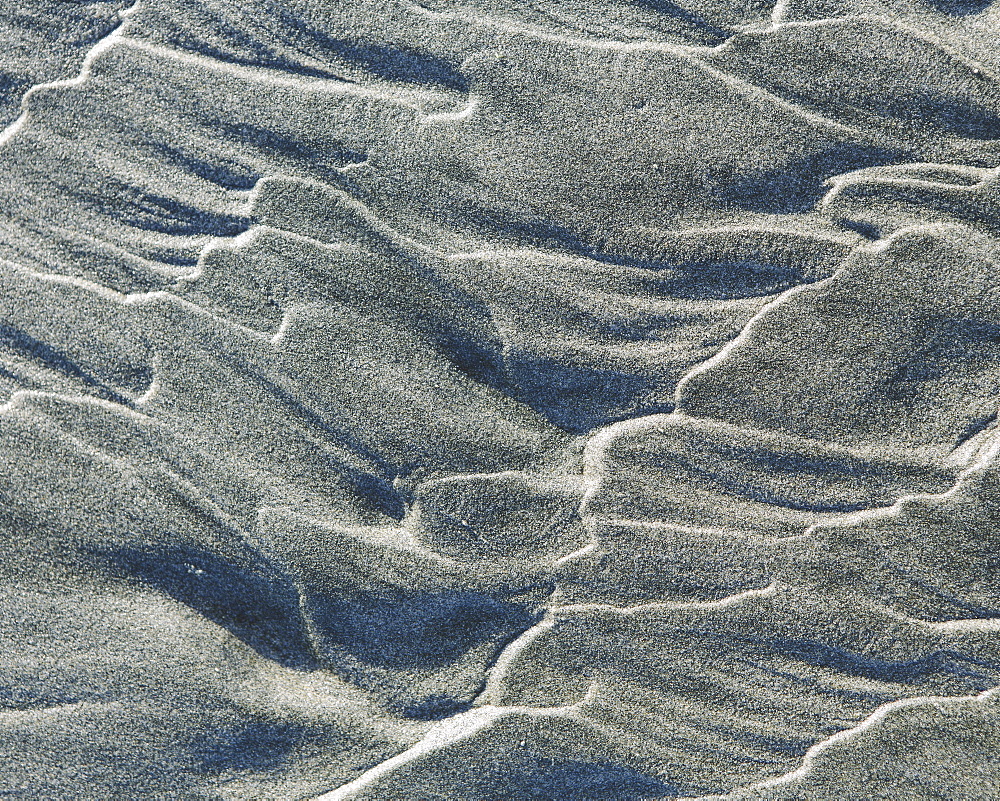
(478, 400)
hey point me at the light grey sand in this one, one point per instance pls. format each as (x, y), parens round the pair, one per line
(499, 400)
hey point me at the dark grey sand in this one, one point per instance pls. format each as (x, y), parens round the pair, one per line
(499, 399)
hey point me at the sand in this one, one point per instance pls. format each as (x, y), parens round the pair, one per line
(499, 400)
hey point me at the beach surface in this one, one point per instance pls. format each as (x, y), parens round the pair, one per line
(500, 399)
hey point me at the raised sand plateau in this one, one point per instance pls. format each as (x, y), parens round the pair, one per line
(499, 399)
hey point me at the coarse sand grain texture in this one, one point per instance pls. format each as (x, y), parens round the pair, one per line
(497, 400)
